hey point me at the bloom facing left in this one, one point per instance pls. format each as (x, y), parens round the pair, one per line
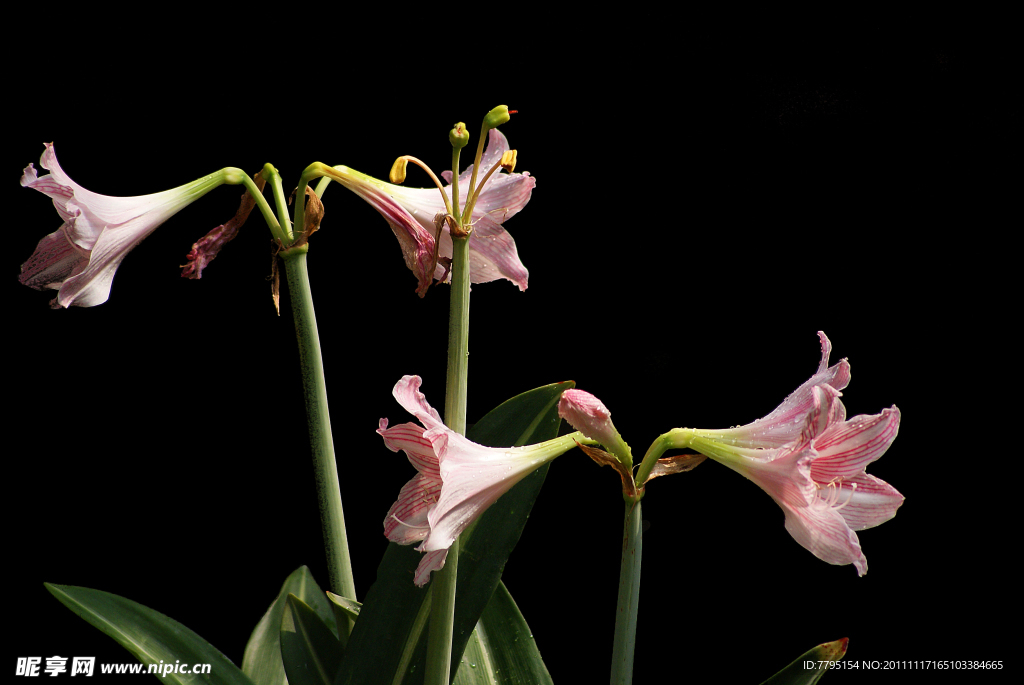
(80, 258)
(456, 479)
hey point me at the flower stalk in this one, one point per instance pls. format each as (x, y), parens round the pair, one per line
(271, 176)
(627, 603)
(442, 609)
(332, 515)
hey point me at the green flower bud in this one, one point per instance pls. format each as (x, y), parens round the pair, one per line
(459, 136)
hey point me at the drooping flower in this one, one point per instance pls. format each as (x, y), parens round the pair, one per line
(411, 213)
(456, 479)
(80, 258)
(819, 477)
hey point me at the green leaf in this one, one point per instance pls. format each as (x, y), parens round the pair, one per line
(310, 651)
(389, 638)
(262, 660)
(344, 609)
(502, 651)
(817, 658)
(149, 635)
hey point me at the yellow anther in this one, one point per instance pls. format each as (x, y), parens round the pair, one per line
(508, 161)
(397, 174)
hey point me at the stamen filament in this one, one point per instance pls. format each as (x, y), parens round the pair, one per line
(437, 182)
(473, 197)
(476, 163)
(407, 525)
(455, 184)
(853, 489)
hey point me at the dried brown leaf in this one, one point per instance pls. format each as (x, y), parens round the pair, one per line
(602, 458)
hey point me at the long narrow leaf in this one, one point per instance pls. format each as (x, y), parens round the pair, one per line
(150, 636)
(502, 650)
(262, 660)
(310, 651)
(811, 665)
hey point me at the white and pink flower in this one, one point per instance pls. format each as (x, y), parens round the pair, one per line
(411, 211)
(79, 259)
(456, 479)
(811, 459)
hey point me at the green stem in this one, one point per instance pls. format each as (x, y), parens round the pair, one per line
(629, 597)
(458, 338)
(442, 609)
(239, 176)
(677, 438)
(274, 179)
(332, 516)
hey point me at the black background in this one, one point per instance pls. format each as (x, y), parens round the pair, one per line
(706, 201)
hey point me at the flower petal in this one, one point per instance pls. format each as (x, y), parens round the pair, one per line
(92, 286)
(54, 260)
(410, 221)
(492, 254)
(431, 561)
(823, 531)
(587, 414)
(408, 437)
(845, 449)
(474, 477)
(407, 392)
(873, 502)
(406, 521)
(96, 211)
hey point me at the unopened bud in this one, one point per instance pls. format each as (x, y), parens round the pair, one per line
(459, 136)
(508, 161)
(587, 414)
(397, 174)
(496, 117)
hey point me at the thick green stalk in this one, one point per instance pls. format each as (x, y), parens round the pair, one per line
(629, 597)
(458, 339)
(332, 516)
(442, 609)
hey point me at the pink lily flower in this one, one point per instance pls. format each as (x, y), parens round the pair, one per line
(818, 478)
(456, 479)
(80, 258)
(411, 214)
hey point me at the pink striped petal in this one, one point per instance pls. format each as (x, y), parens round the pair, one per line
(845, 449)
(871, 503)
(822, 530)
(407, 392)
(431, 561)
(406, 521)
(408, 437)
